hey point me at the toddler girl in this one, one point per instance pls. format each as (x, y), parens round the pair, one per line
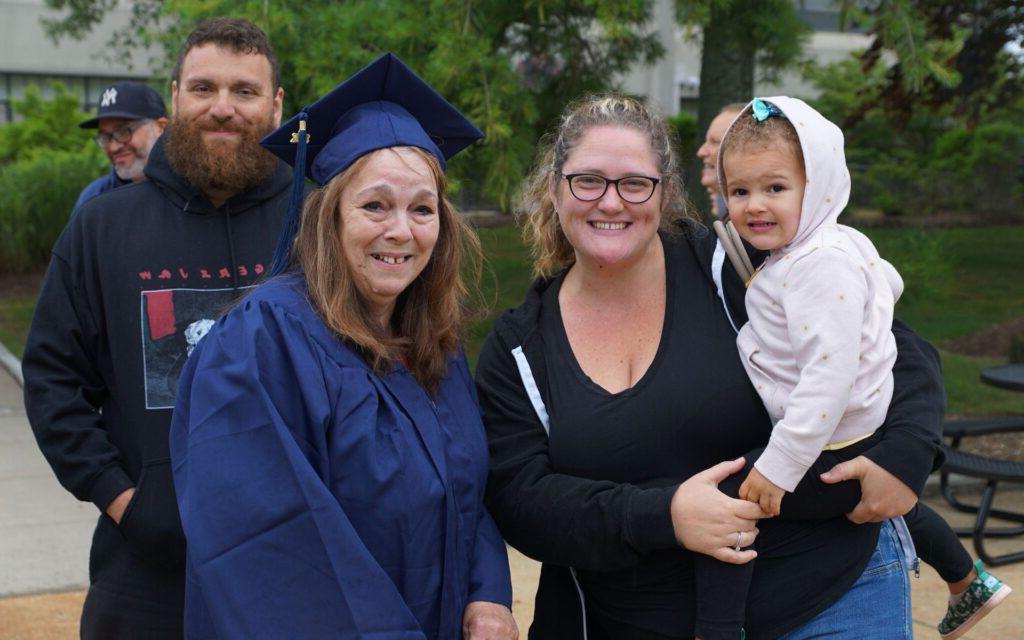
(818, 348)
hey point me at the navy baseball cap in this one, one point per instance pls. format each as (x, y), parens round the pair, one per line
(383, 105)
(129, 100)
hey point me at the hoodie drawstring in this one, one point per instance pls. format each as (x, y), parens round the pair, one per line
(231, 246)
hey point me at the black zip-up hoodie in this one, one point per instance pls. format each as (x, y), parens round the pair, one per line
(606, 526)
(132, 284)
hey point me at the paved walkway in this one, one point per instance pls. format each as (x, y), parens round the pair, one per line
(929, 593)
(44, 531)
(45, 535)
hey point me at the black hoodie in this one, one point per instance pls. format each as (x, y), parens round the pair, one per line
(132, 283)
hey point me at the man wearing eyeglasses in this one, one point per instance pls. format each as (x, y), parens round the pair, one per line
(129, 119)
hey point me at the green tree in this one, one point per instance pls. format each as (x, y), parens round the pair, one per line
(510, 66)
(928, 159)
(937, 55)
(739, 39)
(83, 16)
(44, 125)
(946, 58)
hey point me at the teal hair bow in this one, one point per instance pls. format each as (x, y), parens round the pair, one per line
(763, 110)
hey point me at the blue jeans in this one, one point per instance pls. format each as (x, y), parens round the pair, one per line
(877, 606)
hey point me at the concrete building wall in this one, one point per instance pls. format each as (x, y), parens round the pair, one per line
(28, 56)
(657, 82)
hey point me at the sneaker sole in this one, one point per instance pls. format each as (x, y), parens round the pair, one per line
(989, 605)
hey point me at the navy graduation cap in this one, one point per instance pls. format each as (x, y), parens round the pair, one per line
(383, 105)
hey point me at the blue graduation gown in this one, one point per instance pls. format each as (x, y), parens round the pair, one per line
(320, 500)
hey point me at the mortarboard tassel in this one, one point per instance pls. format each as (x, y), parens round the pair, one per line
(291, 221)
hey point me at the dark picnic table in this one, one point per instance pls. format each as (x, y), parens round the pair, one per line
(990, 470)
(1009, 376)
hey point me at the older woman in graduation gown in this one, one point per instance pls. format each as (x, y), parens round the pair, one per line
(329, 459)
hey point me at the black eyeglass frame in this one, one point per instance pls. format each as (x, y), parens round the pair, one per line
(122, 135)
(607, 181)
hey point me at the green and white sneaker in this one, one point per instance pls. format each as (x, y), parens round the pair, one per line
(982, 596)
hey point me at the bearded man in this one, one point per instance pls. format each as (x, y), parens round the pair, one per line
(134, 274)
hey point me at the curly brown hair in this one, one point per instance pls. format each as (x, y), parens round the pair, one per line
(235, 34)
(551, 250)
(429, 315)
(749, 135)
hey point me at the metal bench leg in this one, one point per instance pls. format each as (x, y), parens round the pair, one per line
(947, 493)
(999, 514)
(1002, 532)
(984, 510)
(996, 532)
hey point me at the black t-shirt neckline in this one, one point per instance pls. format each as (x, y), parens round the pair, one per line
(564, 348)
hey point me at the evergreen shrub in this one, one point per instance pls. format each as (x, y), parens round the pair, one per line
(685, 126)
(36, 198)
(45, 162)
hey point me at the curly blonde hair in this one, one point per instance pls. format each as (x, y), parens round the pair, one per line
(551, 250)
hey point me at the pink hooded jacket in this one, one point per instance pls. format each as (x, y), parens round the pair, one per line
(818, 346)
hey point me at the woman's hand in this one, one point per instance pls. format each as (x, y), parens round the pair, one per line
(707, 521)
(882, 495)
(488, 621)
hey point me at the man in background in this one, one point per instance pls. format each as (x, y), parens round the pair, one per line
(708, 153)
(129, 119)
(135, 279)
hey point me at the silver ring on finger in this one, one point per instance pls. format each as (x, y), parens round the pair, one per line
(739, 540)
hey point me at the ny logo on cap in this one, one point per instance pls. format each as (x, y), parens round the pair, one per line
(109, 97)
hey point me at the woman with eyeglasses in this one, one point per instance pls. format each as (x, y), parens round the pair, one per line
(613, 394)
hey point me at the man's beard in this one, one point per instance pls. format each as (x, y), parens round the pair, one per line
(223, 166)
(133, 171)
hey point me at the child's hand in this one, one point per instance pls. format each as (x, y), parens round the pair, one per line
(757, 488)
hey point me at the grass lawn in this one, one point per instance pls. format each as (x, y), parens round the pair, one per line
(968, 396)
(958, 281)
(17, 301)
